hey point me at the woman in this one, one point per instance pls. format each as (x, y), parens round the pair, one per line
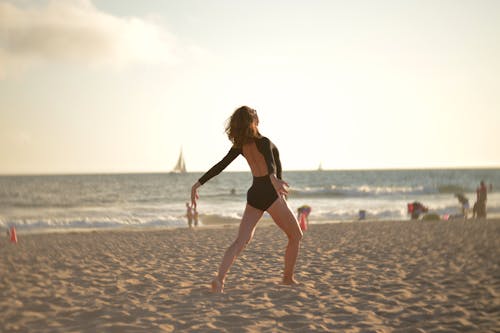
(266, 193)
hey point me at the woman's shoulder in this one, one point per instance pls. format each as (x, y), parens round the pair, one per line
(264, 139)
(235, 148)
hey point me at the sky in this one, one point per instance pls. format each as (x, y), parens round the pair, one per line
(98, 86)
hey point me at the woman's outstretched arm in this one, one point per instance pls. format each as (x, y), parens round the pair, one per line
(214, 171)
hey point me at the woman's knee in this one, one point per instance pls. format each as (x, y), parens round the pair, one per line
(299, 235)
(240, 243)
(296, 235)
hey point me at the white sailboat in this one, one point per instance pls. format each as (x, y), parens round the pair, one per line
(320, 167)
(180, 167)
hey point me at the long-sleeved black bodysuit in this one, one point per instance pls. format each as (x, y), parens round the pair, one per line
(261, 194)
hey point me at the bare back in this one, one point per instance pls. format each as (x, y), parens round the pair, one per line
(262, 157)
(255, 159)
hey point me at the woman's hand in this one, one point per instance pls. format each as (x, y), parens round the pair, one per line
(194, 194)
(279, 185)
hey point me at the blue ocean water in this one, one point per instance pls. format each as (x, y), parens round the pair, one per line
(140, 200)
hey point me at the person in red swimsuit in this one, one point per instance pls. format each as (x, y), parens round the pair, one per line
(267, 192)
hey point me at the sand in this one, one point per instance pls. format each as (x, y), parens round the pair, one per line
(407, 276)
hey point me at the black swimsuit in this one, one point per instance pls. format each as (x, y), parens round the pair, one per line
(262, 193)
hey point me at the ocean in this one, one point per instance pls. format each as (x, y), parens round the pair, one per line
(36, 203)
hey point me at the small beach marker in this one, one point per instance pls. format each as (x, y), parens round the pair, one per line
(13, 235)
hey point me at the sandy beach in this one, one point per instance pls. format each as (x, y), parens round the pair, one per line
(355, 277)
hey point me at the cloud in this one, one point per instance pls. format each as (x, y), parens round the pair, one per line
(75, 31)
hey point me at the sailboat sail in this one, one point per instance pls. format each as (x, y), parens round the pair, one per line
(181, 165)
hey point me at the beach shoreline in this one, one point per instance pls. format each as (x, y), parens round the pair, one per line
(211, 224)
(385, 276)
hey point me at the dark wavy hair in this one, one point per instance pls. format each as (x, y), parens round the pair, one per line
(241, 127)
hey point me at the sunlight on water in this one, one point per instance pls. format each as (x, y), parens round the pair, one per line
(94, 201)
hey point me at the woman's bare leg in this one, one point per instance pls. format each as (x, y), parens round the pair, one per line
(286, 220)
(247, 228)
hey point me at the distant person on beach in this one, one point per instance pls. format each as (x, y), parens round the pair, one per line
(479, 209)
(265, 195)
(303, 216)
(415, 209)
(464, 202)
(189, 214)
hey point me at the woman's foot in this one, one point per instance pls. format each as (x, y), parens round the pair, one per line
(217, 286)
(290, 281)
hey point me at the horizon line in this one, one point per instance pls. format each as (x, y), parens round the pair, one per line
(124, 172)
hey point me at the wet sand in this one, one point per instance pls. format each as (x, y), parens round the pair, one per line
(408, 276)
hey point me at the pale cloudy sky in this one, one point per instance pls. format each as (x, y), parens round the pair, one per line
(121, 86)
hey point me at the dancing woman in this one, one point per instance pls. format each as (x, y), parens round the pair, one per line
(266, 193)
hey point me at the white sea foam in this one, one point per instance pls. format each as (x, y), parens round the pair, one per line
(137, 200)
